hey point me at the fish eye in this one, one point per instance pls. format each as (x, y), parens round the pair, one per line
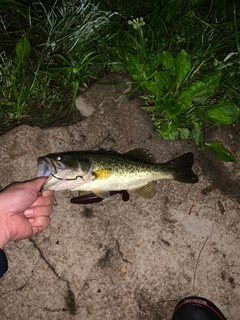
(59, 158)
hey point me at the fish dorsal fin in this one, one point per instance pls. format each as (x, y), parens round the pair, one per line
(148, 191)
(102, 193)
(102, 173)
(140, 155)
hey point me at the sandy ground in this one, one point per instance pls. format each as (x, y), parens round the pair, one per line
(124, 260)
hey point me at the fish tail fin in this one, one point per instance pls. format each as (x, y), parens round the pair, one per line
(181, 168)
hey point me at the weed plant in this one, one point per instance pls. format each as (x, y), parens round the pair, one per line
(185, 58)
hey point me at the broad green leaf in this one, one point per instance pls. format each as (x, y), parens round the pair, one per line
(151, 86)
(176, 107)
(142, 71)
(224, 113)
(163, 80)
(23, 49)
(197, 135)
(172, 108)
(182, 66)
(184, 133)
(138, 70)
(218, 116)
(220, 151)
(165, 59)
(196, 88)
(212, 79)
(131, 61)
(205, 87)
(185, 99)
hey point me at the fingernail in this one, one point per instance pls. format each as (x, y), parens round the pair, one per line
(31, 220)
(28, 212)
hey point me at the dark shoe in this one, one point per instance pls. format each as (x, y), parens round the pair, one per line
(196, 308)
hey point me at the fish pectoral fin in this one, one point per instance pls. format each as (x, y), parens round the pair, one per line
(102, 193)
(148, 191)
(102, 173)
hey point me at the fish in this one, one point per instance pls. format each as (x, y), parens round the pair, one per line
(100, 172)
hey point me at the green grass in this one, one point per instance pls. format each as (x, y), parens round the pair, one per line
(184, 57)
(49, 50)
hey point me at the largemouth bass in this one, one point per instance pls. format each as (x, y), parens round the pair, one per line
(103, 171)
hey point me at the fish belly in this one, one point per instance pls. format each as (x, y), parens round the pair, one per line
(121, 182)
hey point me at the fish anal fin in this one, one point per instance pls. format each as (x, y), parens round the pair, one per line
(102, 193)
(102, 173)
(83, 193)
(140, 155)
(148, 191)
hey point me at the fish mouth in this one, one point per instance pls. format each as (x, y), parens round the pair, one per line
(45, 167)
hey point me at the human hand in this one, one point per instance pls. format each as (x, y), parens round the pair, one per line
(23, 210)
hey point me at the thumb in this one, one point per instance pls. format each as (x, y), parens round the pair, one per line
(36, 183)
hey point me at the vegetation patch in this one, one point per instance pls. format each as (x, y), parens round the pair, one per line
(184, 57)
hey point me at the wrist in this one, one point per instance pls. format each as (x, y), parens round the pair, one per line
(4, 238)
(4, 232)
